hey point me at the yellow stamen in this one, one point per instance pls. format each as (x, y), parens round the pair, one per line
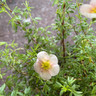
(45, 65)
(93, 10)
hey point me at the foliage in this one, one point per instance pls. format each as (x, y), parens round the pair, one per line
(77, 76)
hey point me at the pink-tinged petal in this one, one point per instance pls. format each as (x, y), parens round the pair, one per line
(43, 56)
(37, 66)
(45, 75)
(85, 10)
(92, 15)
(93, 3)
(54, 70)
(43, 61)
(53, 59)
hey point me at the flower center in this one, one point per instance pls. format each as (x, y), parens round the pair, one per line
(93, 10)
(45, 65)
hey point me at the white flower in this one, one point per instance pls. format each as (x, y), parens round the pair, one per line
(46, 65)
(89, 10)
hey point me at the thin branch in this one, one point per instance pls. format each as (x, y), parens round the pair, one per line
(63, 33)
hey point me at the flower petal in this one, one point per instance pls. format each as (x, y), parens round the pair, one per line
(85, 10)
(54, 70)
(45, 75)
(91, 15)
(37, 66)
(93, 3)
(43, 56)
(53, 59)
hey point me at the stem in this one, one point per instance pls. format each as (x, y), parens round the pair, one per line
(80, 18)
(63, 33)
(63, 43)
(73, 25)
(8, 14)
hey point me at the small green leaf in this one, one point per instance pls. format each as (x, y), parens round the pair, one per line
(3, 0)
(55, 2)
(20, 94)
(1, 76)
(49, 82)
(37, 18)
(27, 90)
(2, 88)
(2, 43)
(14, 93)
(46, 88)
(61, 92)
(57, 85)
(94, 90)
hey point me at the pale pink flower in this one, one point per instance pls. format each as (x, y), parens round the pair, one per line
(89, 10)
(46, 65)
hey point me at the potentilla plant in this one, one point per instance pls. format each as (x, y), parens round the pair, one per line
(47, 65)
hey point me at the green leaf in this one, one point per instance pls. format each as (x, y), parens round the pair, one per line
(20, 94)
(1, 76)
(49, 82)
(14, 93)
(16, 10)
(61, 92)
(57, 85)
(3, 0)
(46, 88)
(2, 9)
(2, 88)
(2, 43)
(71, 80)
(27, 90)
(55, 2)
(37, 18)
(94, 91)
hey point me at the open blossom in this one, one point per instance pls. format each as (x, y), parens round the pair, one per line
(46, 65)
(89, 10)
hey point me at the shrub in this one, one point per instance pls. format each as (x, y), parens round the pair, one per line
(77, 62)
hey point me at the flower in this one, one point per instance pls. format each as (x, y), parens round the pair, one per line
(46, 65)
(89, 10)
